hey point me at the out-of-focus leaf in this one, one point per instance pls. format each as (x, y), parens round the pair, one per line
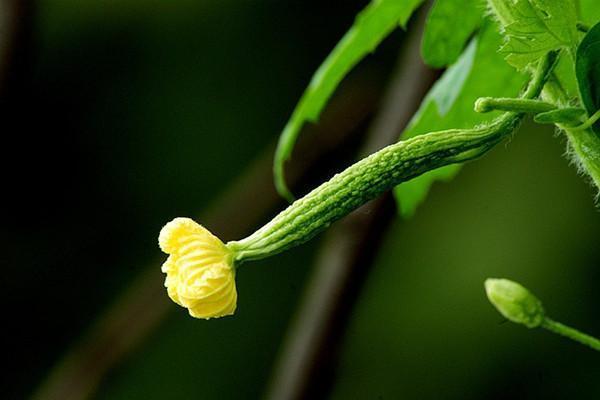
(443, 95)
(589, 12)
(372, 25)
(448, 88)
(587, 67)
(534, 27)
(449, 25)
(480, 71)
(564, 73)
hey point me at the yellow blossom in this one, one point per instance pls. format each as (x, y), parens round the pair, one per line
(200, 273)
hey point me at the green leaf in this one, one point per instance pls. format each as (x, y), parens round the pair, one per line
(587, 68)
(564, 73)
(535, 27)
(449, 25)
(570, 115)
(479, 71)
(371, 26)
(589, 11)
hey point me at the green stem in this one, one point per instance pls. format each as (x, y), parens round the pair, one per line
(487, 104)
(571, 333)
(583, 142)
(588, 123)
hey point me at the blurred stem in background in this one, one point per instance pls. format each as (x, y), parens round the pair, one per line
(15, 29)
(343, 262)
(247, 201)
(306, 364)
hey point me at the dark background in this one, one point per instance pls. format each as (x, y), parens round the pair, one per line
(120, 115)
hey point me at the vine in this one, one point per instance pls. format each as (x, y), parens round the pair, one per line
(541, 39)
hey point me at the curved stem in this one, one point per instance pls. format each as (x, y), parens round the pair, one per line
(571, 333)
(588, 123)
(583, 142)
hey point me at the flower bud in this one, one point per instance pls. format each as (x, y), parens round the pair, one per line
(515, 302)
(200, 273)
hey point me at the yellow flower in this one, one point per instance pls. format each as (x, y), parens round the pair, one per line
(200, 273)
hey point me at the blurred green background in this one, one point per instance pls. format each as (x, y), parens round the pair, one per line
(124, 114)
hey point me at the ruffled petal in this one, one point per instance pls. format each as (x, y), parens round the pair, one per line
(200, 273)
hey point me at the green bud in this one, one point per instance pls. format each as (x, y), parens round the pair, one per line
(515, 302)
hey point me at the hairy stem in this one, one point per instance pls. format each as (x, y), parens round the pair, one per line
(487, 104)
(583, 142)
(588, 124)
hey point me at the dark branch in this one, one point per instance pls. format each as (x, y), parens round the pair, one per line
(239, 210)
(307, 360)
